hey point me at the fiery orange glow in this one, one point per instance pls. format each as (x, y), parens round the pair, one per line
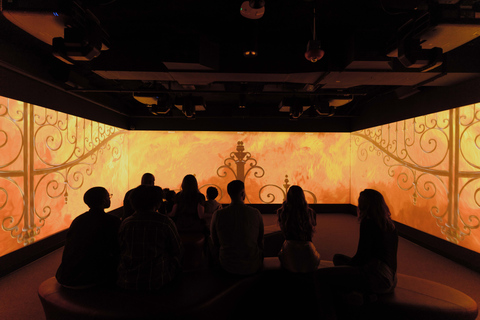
(428, 168)
(48, 160)
(308, 159)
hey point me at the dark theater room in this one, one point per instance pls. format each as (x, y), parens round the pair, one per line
(291, 153)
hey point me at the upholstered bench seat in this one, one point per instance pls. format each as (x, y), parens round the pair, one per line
(200, 294)
(416, 298)
(205, 294)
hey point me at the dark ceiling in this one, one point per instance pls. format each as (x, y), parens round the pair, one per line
(175, 50)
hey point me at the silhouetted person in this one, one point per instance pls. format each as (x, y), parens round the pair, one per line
(211, 205)
(372, 270)
(150, 247)
(169, 196)
(188, 209)
(91, 249)
(148, 179)
(297, 222)
(237, 234)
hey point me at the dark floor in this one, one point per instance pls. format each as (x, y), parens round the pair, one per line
(336, 233)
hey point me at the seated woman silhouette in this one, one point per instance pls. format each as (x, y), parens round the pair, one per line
(297, 222)
(372, 270)
(189, 207)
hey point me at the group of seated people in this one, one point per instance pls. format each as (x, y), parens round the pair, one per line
(143, 250)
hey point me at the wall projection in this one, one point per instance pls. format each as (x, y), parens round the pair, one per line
(48, 160)
(428, 168)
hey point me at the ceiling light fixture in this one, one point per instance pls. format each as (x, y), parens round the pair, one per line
(156, 104)
(314, 51)
(294, 106)
(253, 9)
(189, 105)
(250, 53)
(323, 107)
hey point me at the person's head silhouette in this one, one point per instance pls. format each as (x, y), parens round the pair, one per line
(236, 191)
(148, 179)
(372, 205)
(97, 198)
(212, 193)
(146, 198)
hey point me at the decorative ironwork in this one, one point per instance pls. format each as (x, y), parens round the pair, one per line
(56, 152)
(240, 159)
(427, 155)
(283, 191)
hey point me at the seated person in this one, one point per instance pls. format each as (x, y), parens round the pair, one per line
(237, 234)
(148, 179)
(376, 256)
(188, 210)
(211, 205)
(91, 249)
(169, 196)
(297, 222)
(150, 247)
(372, 270)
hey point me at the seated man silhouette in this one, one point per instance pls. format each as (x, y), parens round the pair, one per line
(237, 234)
(91, 249)
(148, 179)
(150, 246)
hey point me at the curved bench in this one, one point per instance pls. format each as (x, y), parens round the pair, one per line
(413, 298)
(200, 294)
(416, 298)
(205, 294)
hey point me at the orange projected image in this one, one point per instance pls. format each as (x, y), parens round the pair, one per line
(428, 170)
(48, 160)
(267, 162)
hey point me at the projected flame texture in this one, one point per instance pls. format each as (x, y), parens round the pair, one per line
(49, 159)
(435, 160)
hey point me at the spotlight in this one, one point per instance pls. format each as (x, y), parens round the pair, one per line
(253, 9)
(250, 53)
(156, 104)
(323, 108)
(188, 108)
(294, 106)
(241, 101)
(189, 105)
(314, 51)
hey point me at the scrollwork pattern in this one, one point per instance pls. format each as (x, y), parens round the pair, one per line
(67, 147)
(445, 141)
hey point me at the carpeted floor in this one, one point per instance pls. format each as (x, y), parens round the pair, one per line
(336, 233)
